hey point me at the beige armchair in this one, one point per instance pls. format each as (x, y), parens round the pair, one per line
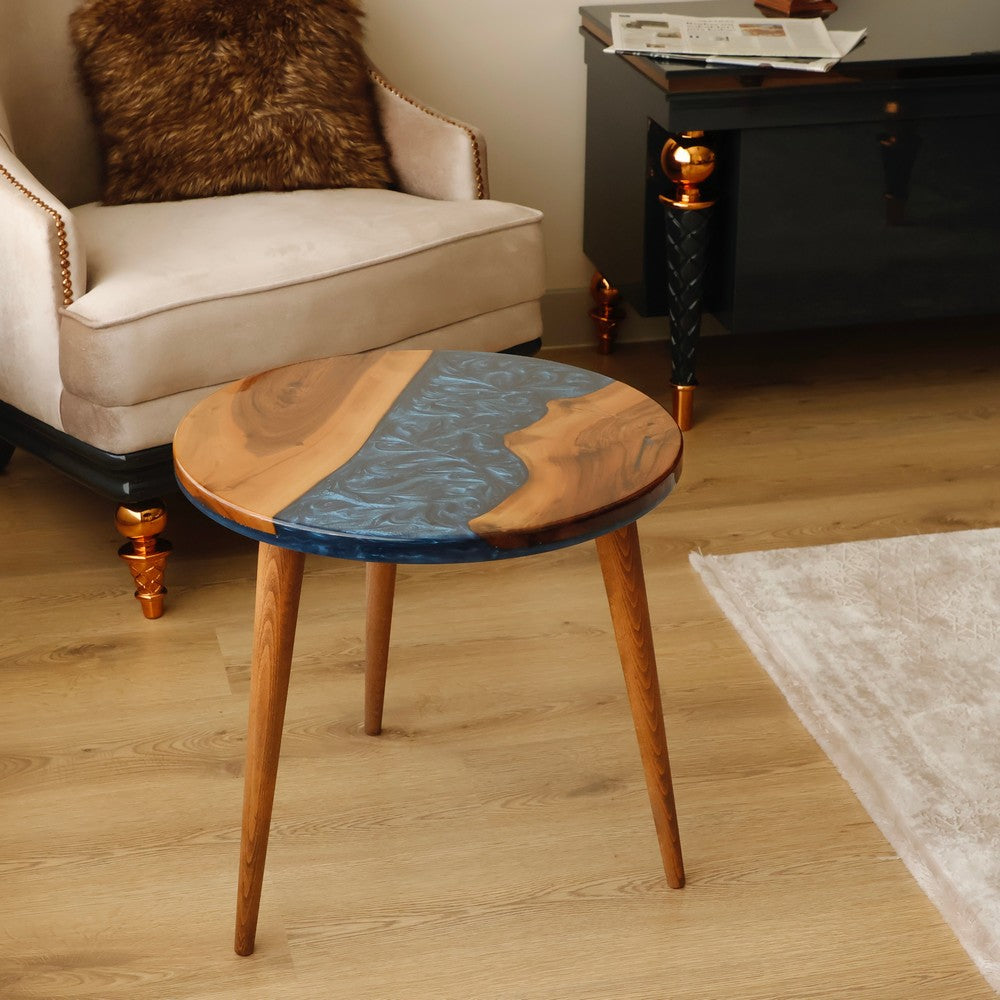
(115, 320)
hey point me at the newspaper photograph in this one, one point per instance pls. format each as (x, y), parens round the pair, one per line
(652, 34)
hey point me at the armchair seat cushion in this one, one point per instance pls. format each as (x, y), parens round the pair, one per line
(214, 289)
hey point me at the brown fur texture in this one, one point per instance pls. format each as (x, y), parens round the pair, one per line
(194, 98)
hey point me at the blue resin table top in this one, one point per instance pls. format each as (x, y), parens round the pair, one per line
(427, 456)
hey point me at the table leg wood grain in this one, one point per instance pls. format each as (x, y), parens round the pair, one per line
(621, 564)
(279, 584)
(380, 588)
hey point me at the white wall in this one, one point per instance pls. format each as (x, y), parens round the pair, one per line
(515, 69)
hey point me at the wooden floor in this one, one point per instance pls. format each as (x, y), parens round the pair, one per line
(496, 841)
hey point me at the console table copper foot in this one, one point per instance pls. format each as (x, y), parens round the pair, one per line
(606, 312)
(427, 457)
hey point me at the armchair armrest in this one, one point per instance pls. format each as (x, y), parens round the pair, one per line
(434, 156)
(42, 265)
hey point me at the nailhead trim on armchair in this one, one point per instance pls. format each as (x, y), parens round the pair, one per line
(67, 280)
(477, 159)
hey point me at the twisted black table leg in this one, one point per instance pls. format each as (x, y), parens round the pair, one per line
(687, 161)
(687, 253)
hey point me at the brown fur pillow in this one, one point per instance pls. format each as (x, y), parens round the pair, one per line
(194, 98)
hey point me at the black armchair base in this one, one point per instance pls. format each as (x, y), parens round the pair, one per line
(135, 481)
(128, 479)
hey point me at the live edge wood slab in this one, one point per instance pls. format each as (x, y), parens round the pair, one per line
(419, 456)
(427, 457)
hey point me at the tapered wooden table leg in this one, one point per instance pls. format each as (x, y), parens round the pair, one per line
(621, 564)
(279, 583)
(380, 588)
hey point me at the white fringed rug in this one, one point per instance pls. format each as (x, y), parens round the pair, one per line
(889, 653)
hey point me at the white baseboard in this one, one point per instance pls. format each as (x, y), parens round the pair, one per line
(566, 322)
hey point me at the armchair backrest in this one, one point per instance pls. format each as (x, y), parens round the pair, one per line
(44, 116)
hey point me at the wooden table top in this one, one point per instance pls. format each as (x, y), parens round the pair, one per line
(427, 456)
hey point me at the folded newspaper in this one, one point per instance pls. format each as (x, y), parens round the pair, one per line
(791, 43)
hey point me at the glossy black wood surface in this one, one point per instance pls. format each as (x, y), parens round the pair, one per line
(800, 231)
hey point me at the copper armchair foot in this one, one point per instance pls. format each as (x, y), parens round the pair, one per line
(145, 553)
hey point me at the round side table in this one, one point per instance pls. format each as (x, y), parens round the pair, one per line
(427, 457)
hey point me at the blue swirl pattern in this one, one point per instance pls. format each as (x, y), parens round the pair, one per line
(434, 462)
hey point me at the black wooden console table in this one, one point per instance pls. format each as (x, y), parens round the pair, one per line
(797, 200)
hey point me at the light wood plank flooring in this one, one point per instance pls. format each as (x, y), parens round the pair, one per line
(496, 841)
